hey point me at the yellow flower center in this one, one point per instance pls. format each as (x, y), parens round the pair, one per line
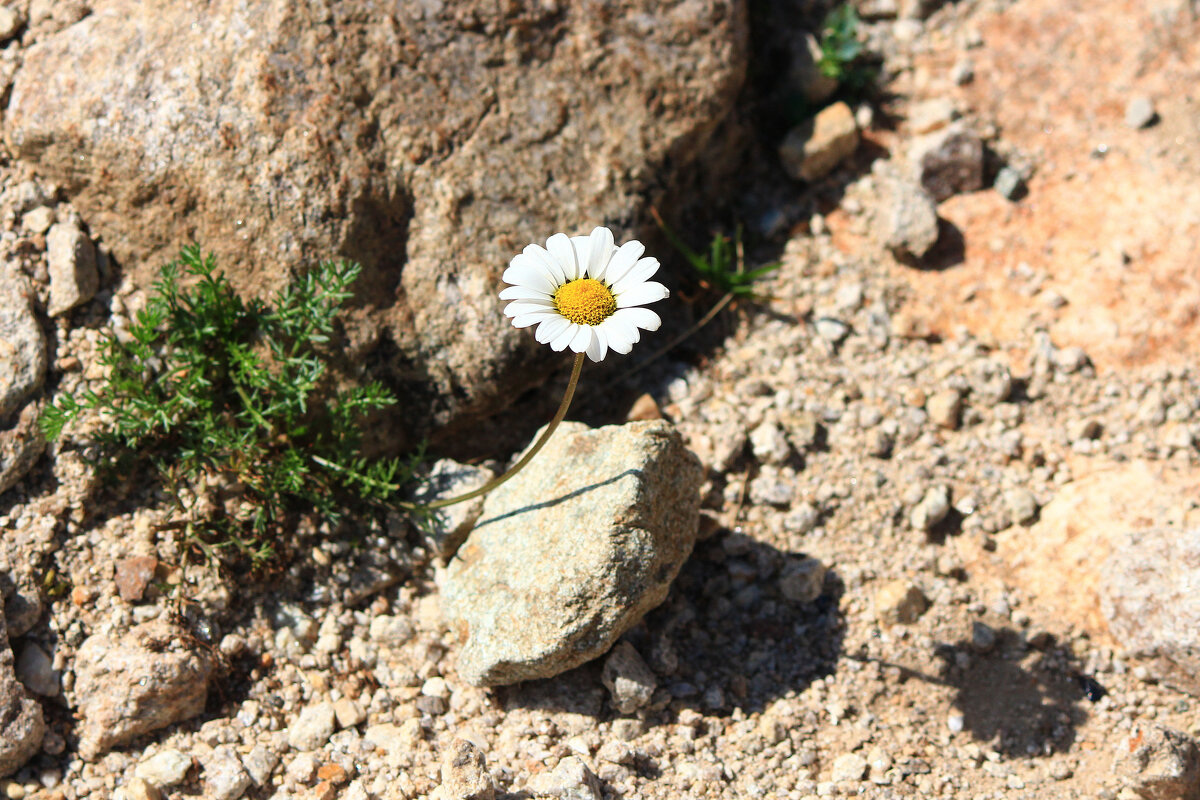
(585, 301)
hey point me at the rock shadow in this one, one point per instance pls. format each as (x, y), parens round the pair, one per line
(726, 638)
(1023, 701)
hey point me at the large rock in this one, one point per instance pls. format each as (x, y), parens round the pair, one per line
(1159, 763)
(572, 551)
(431, 141)
(1116, 554)
(71, 260)
(147, 680)
(1150, 597)
(20, 447)
(22, 343)
(21, 724)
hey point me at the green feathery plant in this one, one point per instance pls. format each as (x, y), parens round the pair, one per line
(230, 402)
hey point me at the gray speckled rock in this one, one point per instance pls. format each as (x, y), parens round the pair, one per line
(148, 679)
(21, 722)
(22, 344)
(1150, 596)
(572, 551)
(429, 141)
(74, 278)
(20, 447)
(1159, 763)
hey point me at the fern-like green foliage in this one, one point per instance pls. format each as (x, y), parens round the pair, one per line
(230, 402)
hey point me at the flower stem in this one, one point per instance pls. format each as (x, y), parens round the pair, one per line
(533, 451)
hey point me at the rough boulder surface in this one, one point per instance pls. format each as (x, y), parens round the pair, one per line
(1150, 595)
(430, 141)
(148, 679)
(572, 551)
(21, 722)
(22, 343)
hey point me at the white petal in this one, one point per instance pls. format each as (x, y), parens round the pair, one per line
(642, 293)
(525, 271)
(560, 247)
(641, 271)
(598, 347)
(542, 256)
(600, 252)
(623, 261)
(518, 307)
(620, 334)
(642, 317)
(524, 293)
(550, 329)
(560, 342)
(525, 320)
(581, 339)
(583, 251)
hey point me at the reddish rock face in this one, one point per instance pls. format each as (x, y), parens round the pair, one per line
(430, 142)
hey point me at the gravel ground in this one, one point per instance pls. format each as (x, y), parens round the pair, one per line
(829, 636)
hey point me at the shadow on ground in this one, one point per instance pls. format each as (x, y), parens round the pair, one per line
(725, 639)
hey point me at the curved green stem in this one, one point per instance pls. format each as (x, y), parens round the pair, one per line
(533, 451)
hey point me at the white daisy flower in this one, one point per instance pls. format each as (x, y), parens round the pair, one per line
(584, 293)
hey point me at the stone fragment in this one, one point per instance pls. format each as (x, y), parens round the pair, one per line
(1022, 506)
(900, 602)
(391, 630)
(802, 580)
(931, 115)
(449, 526)
(831, 330)
(645, 408)
(805, 75)
(572, 551)
(570, 780)
(38, 220)
(313, 727)
(1160, 763)
(949, 161)
(1150, 599)
(1140, 113)
(945, 408)
(413, 138)
(22, 344)
(21, 723)
(769, 444)
(133, 575)
(464, 774)
(165, 768)
(931, 509)
(150, 678)
(35, 669)
(629, 680)
(348, 712)
(20, 446)
(848, 767)
(814, 148)
(137, 789)
(224, 776)
(983, 638)
(74, 277)
(10, 23)
(1009, 183)
(990, 381)
(260, 764)
(907, 217)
